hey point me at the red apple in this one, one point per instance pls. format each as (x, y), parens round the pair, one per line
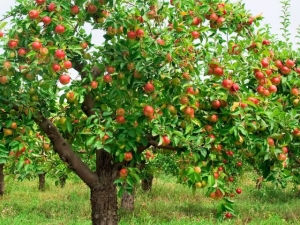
(213, 118)
(195, 34)
(282, 157)
(22, 52)
(285, 70)
(56, 67)
(259, 75)
(40, 2)
(265, 62)
(46, 20)
(36, 45)
(213, 17)
(59, 29)
(266, 42)
(196, 21)
(139, 33)
(290, 63)
(110, 69)
(228, 215)
(165, 140)
(190, 90)
(148, 111)
(208, 128)
(94, 84)
(235, 87)
(52, 7)
(160, 41)
(123, 173)
(107, 78)
(60, 54)
(271, 142)
(128, 156)
(216, 104)
(278, 63)
(84, 45)
(189, 111)
(184, 100)
(67, 64)
(12, 44)
(149, 87)
(284, 150)
(218, 71)
(227, 83)
(220, 21)
(74, 10)
(295, 91)
(64, 79)
(275, 80)
(33, 14)
(131, 35)
(92, 9)
(239, 164)
(120, 119)
(216, 175)
(272, 89)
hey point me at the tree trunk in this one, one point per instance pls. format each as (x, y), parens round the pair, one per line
(2, 179)
(127, 202)
(62, 180)
(147, 183)
(104, 194)
(42, 181)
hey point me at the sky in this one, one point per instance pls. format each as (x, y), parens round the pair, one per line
(271, 10)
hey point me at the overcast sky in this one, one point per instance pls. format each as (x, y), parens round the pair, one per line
(271, 10)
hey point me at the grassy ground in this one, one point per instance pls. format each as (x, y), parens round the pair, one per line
(168, 203)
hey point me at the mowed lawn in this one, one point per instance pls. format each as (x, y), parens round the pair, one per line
(167, 203)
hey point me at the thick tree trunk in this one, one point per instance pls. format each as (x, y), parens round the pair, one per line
(1, 179)
(42, 181)
(127, 202)
(147, 183)
(62, 180)
(104, 194)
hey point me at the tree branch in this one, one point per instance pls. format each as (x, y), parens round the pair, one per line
(65, 151)
(292, 156)
(89, 102)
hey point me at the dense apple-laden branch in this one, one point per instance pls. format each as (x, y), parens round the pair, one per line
(63, 149)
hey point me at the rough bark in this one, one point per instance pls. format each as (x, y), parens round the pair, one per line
(2, 179)
(127, 201)
(147, 180)
(147, 183)
(104, 194)
(62, 180)
(42, 181)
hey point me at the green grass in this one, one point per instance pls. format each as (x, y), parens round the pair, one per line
(168, 203)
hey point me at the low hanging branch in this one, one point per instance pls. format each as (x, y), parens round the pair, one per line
(65, 152)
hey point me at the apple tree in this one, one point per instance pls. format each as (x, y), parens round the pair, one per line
(199, 78)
